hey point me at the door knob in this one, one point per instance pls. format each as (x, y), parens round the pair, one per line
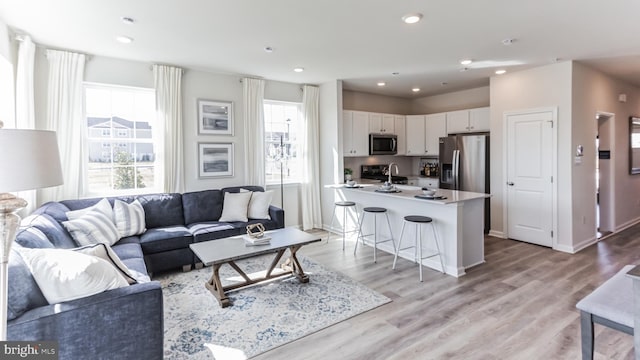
(510, 183)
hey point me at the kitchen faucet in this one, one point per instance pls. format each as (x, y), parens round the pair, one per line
(390, 165)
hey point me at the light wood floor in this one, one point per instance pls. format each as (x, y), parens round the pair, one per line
(520, 304)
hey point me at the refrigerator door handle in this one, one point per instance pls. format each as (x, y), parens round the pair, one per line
(456, 169)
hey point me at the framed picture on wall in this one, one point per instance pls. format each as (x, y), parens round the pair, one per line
(215, 117)
(215, 160)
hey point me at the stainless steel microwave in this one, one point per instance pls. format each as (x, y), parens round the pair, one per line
(383, 144)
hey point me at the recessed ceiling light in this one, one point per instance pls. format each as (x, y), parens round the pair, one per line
(395, 73)
(268, 49)
(500, 72)
(416, 89)
(412, 18)
(509, 41)
(466, 62)
(382, 83)
(298, 69)
(124, 39)
(127, 20)
(444, 83)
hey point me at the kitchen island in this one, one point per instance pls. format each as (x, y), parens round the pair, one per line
(459, 219)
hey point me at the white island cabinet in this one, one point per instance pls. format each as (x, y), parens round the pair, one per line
(459, 220)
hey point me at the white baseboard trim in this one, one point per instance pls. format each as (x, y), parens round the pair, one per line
(498, 234)
(627, 225)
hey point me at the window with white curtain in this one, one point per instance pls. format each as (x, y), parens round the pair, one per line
(119, 140)
(282, 133)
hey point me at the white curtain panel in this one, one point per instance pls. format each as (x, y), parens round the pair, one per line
(253, 100)
(310, 187)
(64, 115)
(169, 150)
(25, 113)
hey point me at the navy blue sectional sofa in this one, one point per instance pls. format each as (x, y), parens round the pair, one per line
(124, 323)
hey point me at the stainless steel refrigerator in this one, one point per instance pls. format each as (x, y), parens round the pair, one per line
(464, 165)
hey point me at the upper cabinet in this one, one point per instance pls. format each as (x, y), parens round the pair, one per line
(415, 135)
(381, 123)
(355, 127)
(463, 121)
(400, 130)
(435, 127)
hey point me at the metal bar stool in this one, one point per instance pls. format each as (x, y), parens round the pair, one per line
(418, 221)
(344, 205)
(375, 211)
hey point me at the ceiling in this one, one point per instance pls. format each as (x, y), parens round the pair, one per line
(360, 42)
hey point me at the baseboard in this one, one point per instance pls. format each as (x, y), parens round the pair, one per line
(627, 225)
(498, 234)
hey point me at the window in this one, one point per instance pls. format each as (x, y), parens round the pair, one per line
(120, 136)
(282, 122)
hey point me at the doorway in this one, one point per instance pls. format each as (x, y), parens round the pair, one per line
(604, 179)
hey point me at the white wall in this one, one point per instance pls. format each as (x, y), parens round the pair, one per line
(595, 92)
(457, 100)
(195, 85)
(546, 86)
(8, 64)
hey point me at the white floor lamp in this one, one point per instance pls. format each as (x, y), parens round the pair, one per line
(29, 159)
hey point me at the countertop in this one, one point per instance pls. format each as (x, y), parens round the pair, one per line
(409, 193)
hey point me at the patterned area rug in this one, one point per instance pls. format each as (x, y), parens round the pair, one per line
(262, 317)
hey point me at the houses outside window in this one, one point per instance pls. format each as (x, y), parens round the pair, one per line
(282, 128)
(119, 140)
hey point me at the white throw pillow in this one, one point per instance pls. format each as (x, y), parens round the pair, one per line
(129, 218)
(64, 275)
(103, 206)
(92, 228)
(259, 205)
(104, 251)
(235, 206)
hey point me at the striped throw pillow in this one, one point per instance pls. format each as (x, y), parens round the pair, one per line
(129, 218)
(92, 228)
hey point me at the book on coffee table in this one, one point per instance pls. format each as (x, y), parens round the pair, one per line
(251, 241)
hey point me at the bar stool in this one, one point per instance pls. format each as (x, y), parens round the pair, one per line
(418, 221)
(345, 205)
(375, 211)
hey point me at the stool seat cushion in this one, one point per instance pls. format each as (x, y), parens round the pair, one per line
(612, 300)
(418, 219)
(345, 203)
(375, 209)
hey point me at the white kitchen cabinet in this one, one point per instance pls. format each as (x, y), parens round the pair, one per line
(400, 130)
(355, 126)
(479, 119)
(457, 121)
(472, 120)
(435, 128)
(381, 123)
(415, 125)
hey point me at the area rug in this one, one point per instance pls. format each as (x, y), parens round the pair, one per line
(263, 316)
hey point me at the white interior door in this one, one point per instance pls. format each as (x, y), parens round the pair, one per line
(529, 177)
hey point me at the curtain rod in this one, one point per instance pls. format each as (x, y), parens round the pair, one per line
(181, 69)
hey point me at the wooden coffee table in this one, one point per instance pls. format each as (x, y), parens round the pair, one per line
(228, 250)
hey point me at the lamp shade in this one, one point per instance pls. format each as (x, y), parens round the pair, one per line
(29, 159)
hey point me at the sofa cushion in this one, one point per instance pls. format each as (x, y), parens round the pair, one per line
(165, 239)
(104, 251)
(128, 250)
(129, 218)
(92, 228)
(162, 210)
(102, 206)
(55, 232)
(64, 275)
(138, 268)
(32, 237)
(201, 206)
(236, 189)
(23, 291)
(235, 206)
(259, 205)
(56, 210)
